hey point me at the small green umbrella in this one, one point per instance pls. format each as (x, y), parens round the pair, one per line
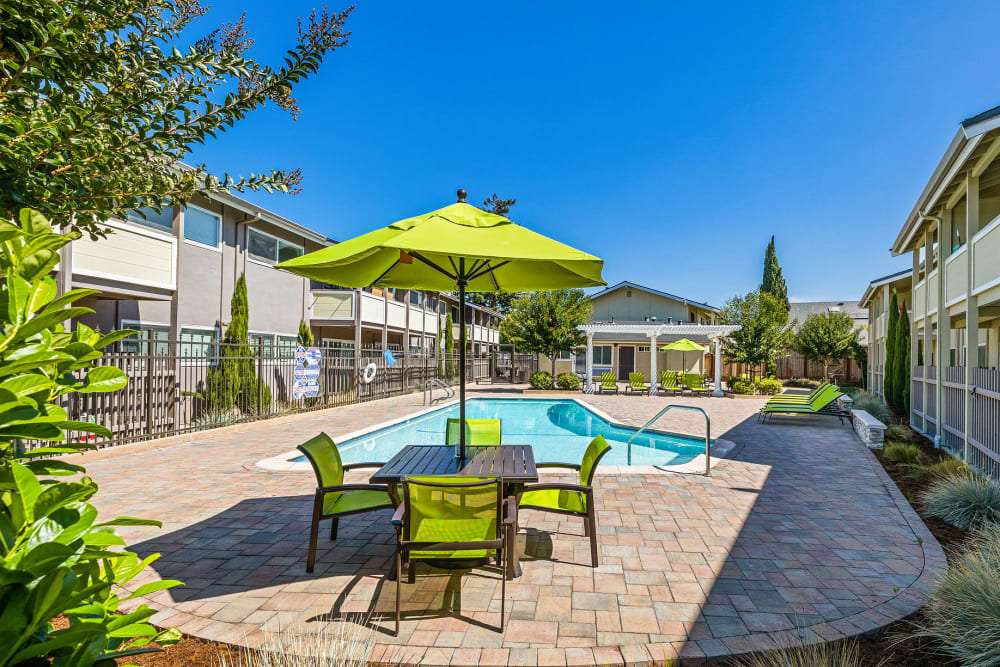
(457, 247)
(684, 346)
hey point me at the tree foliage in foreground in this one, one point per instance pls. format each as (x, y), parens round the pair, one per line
(827, 339)
(548, 322)
(56, 558)
(99, 101)
(763, 332)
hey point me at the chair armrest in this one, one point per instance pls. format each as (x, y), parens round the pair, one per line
(572, 466)
(352, 487)
(510, 511)
(397, 516)
(556, 486)
(352, 466)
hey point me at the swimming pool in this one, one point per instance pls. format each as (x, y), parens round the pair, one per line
(557, 430)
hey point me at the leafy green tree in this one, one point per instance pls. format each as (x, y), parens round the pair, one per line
(773, 282)
(548, 322)
(449, 346)
(100, 102)
(888, 371)
(901, 379)
(56, 558)
(234, 383)
(763, 332)
(305, 336)
(860, 355)
(826, 338)
(498, 301)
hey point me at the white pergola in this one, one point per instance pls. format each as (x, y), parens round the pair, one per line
(714, 333)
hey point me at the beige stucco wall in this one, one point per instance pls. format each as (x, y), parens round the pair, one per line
(619, 306)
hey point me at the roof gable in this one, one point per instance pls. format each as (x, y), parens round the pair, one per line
(650, 290)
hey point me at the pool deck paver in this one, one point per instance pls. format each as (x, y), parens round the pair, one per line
(800, 537)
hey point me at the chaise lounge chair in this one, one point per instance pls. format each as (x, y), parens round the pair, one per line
(798, 399)
(636, 384)
(694, 383)
(669, 383)
(824, 404)
(609, 385)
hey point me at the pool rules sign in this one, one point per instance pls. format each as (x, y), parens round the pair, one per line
(307, 360)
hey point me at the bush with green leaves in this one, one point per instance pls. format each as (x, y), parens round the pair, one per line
(568, 381)
(769, 386)
(742, 386)
(540, 380)
(802, 383)
(901, 452)
(965, 499)
(873, 405)
(900, 433)
(56, 558)
(964, 609)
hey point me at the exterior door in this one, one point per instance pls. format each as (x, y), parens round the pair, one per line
(626, 361)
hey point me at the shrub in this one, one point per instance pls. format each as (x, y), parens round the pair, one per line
(56, 558)
(348, 643)
(741, 386)
(769, 386)
(771, 369)
(851, 391)
(568, 381)
(802, 382)
(540, 380)
(902, 453)
(900, 433)
(873, 405)
(964, 610)
(965, 499)
(822, 654)
(942, 468)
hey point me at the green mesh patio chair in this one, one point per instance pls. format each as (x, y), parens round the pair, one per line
(668, 382)
(609, 385)
(636, 384)
(453, 518)
(571, 499)
(694, 383)
(478, 432)
(334, 499)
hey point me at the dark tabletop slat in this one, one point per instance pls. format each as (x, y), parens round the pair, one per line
(515, 463)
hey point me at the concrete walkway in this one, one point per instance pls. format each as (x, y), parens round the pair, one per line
(801, 537)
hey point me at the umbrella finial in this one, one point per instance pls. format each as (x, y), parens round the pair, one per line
(461, 195)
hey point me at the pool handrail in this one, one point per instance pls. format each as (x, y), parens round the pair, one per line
(429, 389)
(708, 433)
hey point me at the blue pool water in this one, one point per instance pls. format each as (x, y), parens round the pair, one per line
(557, 430)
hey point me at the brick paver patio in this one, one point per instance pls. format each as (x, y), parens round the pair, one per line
(800, 537)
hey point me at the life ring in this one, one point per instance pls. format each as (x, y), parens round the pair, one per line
(369, 373)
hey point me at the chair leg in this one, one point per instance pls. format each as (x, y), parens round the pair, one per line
(314, 532)
(503, 584)
(333, 528)
(411, 571)
(586, 527)
(592, 525)
(399, 578)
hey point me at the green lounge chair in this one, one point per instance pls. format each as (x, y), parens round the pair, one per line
(694, 383)
(608, 384)
(453, 518)
(636, 384)
(571, 499)
(668, 382)
(824, 404)
(479, 432)
(801, 399)
(335, 499)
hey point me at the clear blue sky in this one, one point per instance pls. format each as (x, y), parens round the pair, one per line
(670, 139)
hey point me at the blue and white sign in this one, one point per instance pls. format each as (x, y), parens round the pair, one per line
(307, 360)
(300, 355)
(305, 388)
(313, 356)
(311, 373)
(389, 359)
(300, 372)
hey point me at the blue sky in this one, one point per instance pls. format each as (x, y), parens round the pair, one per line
(670, 139)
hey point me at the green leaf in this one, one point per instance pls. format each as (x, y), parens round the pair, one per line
(86, 427)
(28, 490)
(104, 379)
(153, 587)
(23, 385)
(132, 521)
(114, 337)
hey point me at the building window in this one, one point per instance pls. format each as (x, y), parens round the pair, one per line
(149, 339)
(202, 227)
(644, 348)
(564, 355)
(147, 217)
(602, 355)
(198, 342)
(267, 248)
(416, 297)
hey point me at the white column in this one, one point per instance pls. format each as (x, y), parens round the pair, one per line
(653, 375)
(718, 368)
(590, 364)
(971, 310)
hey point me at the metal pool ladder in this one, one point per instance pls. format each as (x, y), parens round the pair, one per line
(674, 406)
(429, 389)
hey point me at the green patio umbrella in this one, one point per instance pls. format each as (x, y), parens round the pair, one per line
(684, 346)
(459, 247)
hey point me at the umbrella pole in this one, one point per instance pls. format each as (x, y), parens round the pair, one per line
(461, 356)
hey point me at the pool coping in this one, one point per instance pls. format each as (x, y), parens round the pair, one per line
(721, 447)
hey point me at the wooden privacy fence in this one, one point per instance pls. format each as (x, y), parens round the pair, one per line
(976, 440)
(796, 366)
(185, 389)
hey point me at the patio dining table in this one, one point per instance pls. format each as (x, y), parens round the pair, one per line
(513, 464)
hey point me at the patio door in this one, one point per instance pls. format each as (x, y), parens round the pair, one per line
(626, 361)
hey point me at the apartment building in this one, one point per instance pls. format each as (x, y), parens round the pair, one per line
(171, 275)
(953, 237)
(877, 299)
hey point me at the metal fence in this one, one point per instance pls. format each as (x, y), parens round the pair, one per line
(177, 387)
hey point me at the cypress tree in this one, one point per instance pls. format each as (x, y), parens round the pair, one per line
(901, 366)
(305, 336)
(888, 374)
(233, 384)
(449, 346)
(773, 282)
